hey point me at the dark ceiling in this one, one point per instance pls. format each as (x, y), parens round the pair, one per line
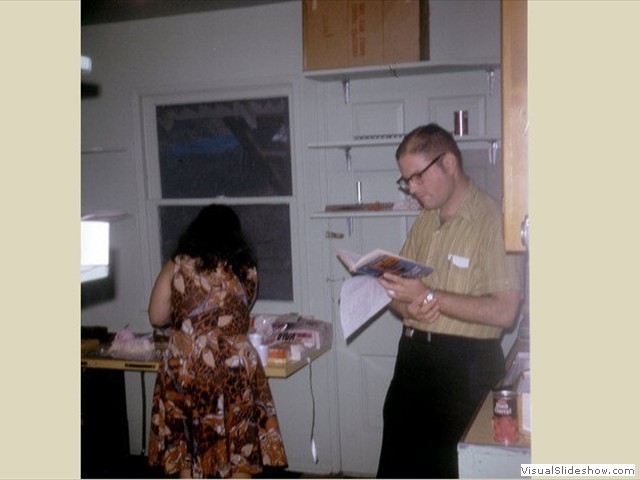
(94, 12)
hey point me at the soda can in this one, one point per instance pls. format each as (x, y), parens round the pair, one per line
(460, 122)
(505, 417)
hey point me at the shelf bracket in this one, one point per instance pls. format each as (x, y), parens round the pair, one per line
(491, 81)
(346, 90)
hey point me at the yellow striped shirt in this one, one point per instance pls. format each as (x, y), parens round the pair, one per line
(468, 257)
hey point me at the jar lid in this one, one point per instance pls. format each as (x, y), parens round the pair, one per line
(504, 393)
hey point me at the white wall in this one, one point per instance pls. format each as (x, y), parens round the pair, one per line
(184, 53)
(209, 50)
(181, 53)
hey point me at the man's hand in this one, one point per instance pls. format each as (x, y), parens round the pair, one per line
(409, 297)
(425, 308)
(402, 289)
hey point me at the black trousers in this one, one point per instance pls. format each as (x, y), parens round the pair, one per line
(439, 382)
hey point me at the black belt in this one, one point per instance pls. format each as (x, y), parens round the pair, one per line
(418, 334)
(429, 337)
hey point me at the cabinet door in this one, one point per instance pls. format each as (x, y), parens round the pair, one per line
(514, 120)
(385, 106)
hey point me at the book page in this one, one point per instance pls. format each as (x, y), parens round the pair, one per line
(361, 297)
(349, 259)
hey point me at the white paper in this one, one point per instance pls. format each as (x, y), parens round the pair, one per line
(361, 297)
(458, 261)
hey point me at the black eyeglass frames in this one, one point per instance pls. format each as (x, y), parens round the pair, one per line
(403, 183)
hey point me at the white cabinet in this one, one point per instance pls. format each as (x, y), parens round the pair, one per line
(353, 121)
(392, 109)
(360, 116)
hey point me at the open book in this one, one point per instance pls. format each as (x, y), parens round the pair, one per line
(362, 296)
(379, 261)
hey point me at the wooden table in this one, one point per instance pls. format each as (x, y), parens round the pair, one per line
(93, 360)
(293, 366)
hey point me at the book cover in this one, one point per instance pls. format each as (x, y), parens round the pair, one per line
(378, 261)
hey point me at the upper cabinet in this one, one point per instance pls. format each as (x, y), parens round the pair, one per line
(515, 124)
(461, 36)
(362, 112)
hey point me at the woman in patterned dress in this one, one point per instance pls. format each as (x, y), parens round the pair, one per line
(213, 414)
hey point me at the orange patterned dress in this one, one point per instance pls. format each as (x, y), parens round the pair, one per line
(213, 412)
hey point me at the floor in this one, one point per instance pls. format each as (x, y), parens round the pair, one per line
(136, 466)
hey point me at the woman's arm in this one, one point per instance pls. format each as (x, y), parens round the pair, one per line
(160, 301)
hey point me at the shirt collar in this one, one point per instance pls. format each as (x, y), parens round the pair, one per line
(466, 208)
(470, 199)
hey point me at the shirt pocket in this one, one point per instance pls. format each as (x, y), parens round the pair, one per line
(458, 273)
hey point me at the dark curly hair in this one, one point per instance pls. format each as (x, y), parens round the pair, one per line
(214, 237)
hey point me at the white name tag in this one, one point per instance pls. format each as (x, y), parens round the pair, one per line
(458, 261)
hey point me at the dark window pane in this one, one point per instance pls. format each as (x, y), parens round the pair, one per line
(236, 148)
(268, 232)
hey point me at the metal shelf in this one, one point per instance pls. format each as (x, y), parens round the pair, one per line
(393, 141)
(365, 214)
(401, 69)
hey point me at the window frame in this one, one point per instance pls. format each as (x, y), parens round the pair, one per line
(150, 180)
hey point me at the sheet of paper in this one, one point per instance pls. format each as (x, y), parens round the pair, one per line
(361, 297)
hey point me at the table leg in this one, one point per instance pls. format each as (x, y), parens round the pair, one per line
(144, 413)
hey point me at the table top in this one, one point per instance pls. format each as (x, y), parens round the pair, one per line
(480, 431)
(91, 359)
(293, 366)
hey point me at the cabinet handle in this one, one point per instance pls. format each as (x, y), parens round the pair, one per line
(493, 152)
(491, 80)
(346, 90)
(330, 234)
(524, 232)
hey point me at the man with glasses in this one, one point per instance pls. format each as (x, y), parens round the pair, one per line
(449, 355)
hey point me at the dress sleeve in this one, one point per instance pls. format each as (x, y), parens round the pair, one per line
(251, 286)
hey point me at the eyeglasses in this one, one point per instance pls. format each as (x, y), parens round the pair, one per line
(403, 183)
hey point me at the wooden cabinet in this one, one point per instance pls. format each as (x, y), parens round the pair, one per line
(514, 121)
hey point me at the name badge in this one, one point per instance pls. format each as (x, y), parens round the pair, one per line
(458, 261)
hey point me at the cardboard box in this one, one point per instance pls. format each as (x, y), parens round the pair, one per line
(325, 34)
(352, 33)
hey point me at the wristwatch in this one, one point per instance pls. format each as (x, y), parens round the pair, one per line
(428, 297)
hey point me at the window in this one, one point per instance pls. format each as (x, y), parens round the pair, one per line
(237, 148)
(206, 148)
(267, 230)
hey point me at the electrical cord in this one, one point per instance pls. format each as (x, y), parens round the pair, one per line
(314, 450)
